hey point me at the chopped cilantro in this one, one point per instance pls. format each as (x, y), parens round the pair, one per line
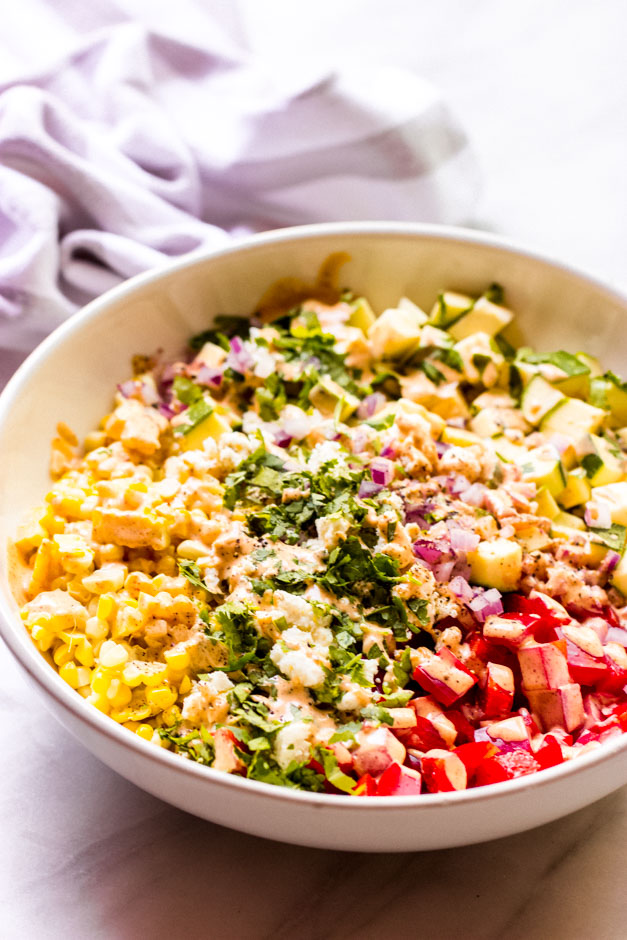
(377, 713)
(191, 571)
(233, 624)
(613, 537)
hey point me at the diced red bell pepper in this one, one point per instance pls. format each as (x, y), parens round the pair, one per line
(615, 678)
(509, 734)
(550, 754)
(399, 781)
(561, 708)
(544, 665)
(473, 754)
(498, 692)
(445, 677)
(443, 771)
(365, 786)
(423, 737)
(516, 763)
(465, 730)
(584, 668)
(543, 619)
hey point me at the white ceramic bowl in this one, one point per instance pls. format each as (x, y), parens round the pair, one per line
(71, 376)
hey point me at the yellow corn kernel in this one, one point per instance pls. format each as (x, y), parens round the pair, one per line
(138, 487)
(119, 694)
(132, 726)
(161, 696)
(177, 659)
(106, 606)
(69, 674)
(96, 629)
(84, 676)
(100, 681)
(185, 686)
(42, 637)
(63, 654)
(46, 566)
(145, 731)
(171, 715)
(112, 655)
(98, 701)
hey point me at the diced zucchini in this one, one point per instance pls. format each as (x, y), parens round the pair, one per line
(568, 520)
(327, 396)
(362, 316)
(533, 539)
(577, 490)
(459, 437)
(576, 386)
(449, 307)
(544, 472)
(546, 504)
(593, 364)
(488, 422)
(538, 399)
(508, 451)
(496, 564)
(573, 418)
(602, 465)
(485, 317)
(619, 578)
(410, 307)
(396, 332)
(606, 393)
(213, 426)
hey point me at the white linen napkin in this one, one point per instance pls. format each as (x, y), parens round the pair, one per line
(134, 147)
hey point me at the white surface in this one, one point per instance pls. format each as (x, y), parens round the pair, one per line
(543, 94)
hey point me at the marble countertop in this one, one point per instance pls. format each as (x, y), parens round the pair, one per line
(83, 853)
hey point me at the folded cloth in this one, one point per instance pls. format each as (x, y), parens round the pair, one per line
(137, 147)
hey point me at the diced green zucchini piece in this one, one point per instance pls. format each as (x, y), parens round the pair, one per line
(577, 490)
(449, 307)
(327, 396)
(593, 364)
(619, 578)
(546, 504)
(459, 437)
(610, 393)
(488, 422)
(362, 316)
(544, 472)
(538, 399)
(576, 386)
(485, 317)
(496, 564)
(533, 538)
(396, 332)
(565, 525)
(508, 451)
(215, 425)
(603, 465)
(573, 418)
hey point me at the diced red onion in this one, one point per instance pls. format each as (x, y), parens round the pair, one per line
(486, 604)
(128, 388)
(389, 451)
(282, 439)
(368, 489)
(148, 393)
(239, 359)
(616, 635)
(507, 531)
(418, 512)
(359, 440)
(598, 515)
(429, 551)
(441, 448)
(166, 410)
(457, 485)
(461, 569)
(443, 571)
(611, 560)
(382, 471)
(463, 540)
(461, 589)
(475, 494)
(370, 405)
(209, 375)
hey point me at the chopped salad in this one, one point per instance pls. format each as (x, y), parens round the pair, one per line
(340, 552)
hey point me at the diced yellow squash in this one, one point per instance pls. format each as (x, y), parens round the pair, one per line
(362, 316)
(496, 564)
(459, 437)
(213, 426)
(546, 504)
(577, 490)
(485, 317)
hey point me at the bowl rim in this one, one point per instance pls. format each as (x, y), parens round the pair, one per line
(30, 658)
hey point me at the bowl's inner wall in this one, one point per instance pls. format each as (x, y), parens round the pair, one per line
(73, 377)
